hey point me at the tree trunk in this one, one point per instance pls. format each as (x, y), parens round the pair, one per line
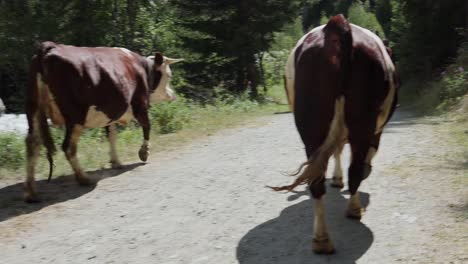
(131, 13)
(262, 73)
(252, 79)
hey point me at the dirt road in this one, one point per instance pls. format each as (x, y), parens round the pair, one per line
(206, 203)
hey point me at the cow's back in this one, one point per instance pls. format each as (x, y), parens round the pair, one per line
(368, 86)
(102, 79)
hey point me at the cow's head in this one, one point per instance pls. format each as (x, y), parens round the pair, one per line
(162, 77)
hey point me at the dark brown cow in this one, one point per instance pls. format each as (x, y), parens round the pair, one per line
(342, 86)
(80, 88)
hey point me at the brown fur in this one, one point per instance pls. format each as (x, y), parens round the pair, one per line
(111, 80)
(341, 69)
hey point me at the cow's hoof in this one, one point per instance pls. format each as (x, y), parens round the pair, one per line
(116, 165)
(354, 213)
(323, 246)
(143, 154)
(84, 181)
(31, 198)
(30, 193)
(337, 183)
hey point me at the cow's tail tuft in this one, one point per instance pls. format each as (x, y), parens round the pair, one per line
(314, 168)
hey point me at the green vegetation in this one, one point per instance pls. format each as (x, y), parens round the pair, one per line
(12, 154)
(222, 42)
(360, 15)
(189, 119)
(234, 52)
(440, 94)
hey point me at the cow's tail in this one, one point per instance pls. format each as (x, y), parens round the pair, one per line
(340, 26)
(36, 106)
(314, 169)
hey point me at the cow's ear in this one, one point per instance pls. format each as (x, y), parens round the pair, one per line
(158, 58)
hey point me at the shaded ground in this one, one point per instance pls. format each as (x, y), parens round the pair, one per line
(206, 203)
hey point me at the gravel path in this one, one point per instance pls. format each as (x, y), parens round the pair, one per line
(206, 203)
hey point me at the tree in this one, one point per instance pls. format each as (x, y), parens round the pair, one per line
(227, 37)
(24, 23)
(383, 12)
(425, 34)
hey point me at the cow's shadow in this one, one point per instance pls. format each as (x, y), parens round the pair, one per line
(60, 189)
(287, 239)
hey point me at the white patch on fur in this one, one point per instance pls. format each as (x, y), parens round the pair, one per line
(338, 132)
(290, 69)
(386, 107)
(73, 159)
(163, 91)
(338, 171)
(96, 118)
(320, 227)
(113, 150)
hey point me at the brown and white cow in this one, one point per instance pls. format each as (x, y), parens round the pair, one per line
(342, 87)
(78, 87)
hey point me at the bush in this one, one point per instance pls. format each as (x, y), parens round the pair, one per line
(274, 63)
(12, 154)
(455, 83)
(357, 14)
(169, 117)
(440, 94)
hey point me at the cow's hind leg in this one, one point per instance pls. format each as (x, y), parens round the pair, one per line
(69, 146)
(337, 179)
(360, 168)
(321, 242)
(143, 120)
(33, 142)
(356, 173)
(111, 132)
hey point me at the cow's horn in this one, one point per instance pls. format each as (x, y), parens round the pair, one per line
(172, 61)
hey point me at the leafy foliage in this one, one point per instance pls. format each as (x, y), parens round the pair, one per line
(138, 25)
(226, 40)
(360, 15)
(170, 117)
(12, 154)
(230, 46)
(425, 34)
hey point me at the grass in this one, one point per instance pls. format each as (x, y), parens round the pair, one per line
(458, 132)
(442, 93)
(173, 124)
